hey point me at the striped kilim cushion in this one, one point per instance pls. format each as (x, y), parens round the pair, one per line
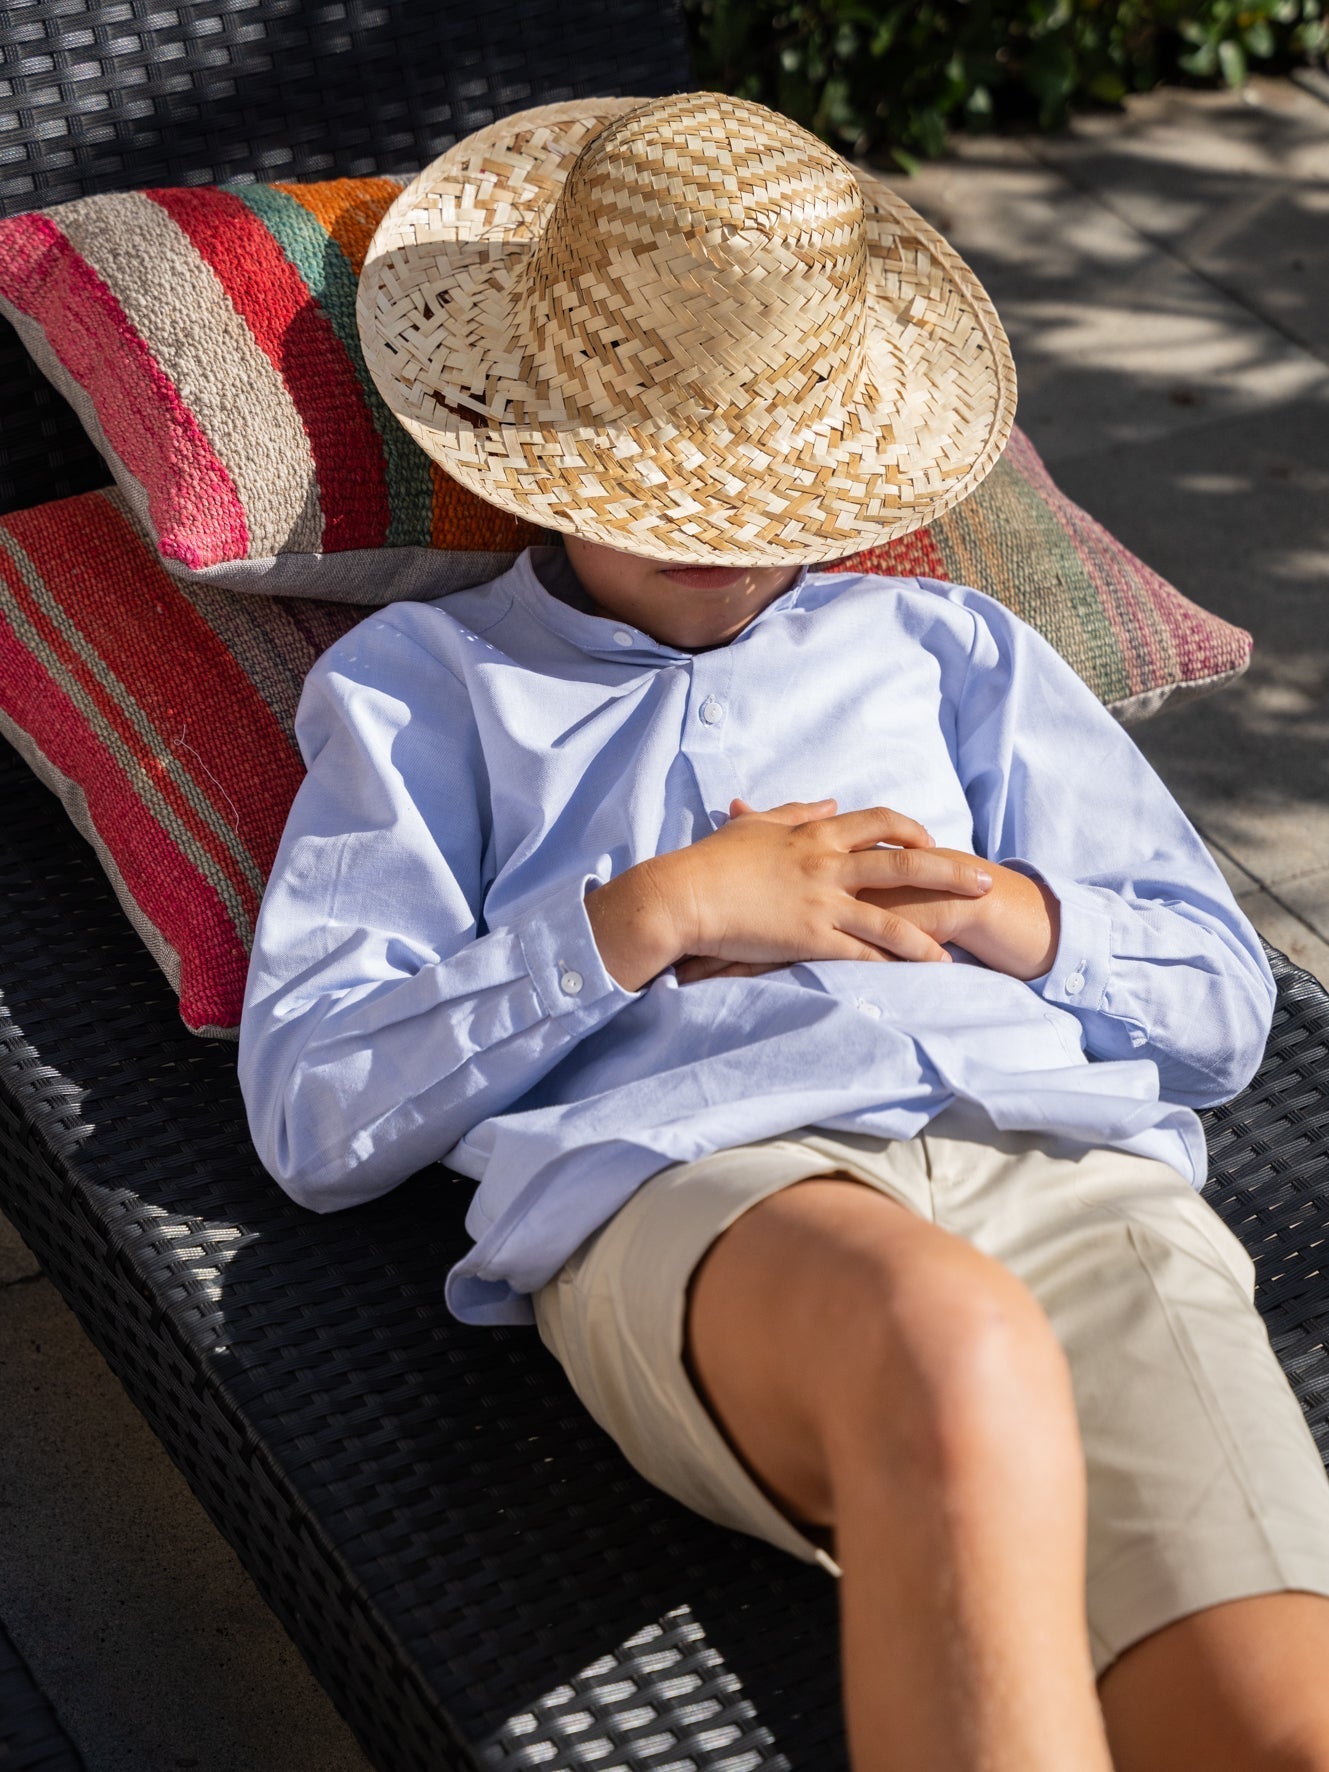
(162, 713)
(162, 710)
(206, 337)
(1135, 640)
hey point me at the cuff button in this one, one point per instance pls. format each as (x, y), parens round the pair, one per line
(571, 983)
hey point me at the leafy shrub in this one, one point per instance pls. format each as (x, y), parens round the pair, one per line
(879, 77)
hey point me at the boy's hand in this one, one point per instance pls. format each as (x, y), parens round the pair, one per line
(1014, 928)
(770, 888)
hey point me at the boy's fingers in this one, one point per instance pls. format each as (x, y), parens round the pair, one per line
(689, 971)
(892, 935)
(697, 967)
(883, 868)
(792, 812)
(879, 824)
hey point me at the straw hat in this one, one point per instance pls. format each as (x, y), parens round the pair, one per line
(686, 328)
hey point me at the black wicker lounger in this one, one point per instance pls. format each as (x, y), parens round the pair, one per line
(463, 1558)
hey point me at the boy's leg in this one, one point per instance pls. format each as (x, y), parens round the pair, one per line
(1209, 1525)
(880, 1375)
(1238, 1687)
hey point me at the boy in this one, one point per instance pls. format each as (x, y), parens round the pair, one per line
(842, 1148)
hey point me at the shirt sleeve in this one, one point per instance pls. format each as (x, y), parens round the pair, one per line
(382, 1018)
(1155, 959)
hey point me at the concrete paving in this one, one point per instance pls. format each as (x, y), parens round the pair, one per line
(131, 1609)
(1160, 276)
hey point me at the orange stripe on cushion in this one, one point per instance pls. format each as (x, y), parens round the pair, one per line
(298, 340)
(462, 521)
(349, 209)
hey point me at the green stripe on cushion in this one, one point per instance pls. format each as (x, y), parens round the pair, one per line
(1147, 650)
(273, 640)
(331, 281)
(991, 536)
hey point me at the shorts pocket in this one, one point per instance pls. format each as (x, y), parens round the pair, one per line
(1154, 1195)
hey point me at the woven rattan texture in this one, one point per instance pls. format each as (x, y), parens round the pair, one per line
(31, 1739)
(427, 1508)
(603, 321)
(453, 1544)
(121, 94)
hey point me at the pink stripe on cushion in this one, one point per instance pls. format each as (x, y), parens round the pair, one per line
(143, 417)
(298, 339)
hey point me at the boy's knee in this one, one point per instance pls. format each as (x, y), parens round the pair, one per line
(871, 1337)
(918, 1338)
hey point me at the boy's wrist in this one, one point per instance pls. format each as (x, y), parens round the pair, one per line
(633, 919)
(1015, 927)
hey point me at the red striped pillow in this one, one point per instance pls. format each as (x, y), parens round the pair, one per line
(162, 713)
(207, 339)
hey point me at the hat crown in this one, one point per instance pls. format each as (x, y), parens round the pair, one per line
(715, 341)
(701, 245)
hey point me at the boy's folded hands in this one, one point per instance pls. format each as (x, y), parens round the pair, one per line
(803, 882)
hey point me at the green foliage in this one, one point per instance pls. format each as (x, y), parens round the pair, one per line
(878, 77)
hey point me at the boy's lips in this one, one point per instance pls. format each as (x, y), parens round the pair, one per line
(704, 578)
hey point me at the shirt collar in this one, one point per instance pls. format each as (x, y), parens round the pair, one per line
(601, 635)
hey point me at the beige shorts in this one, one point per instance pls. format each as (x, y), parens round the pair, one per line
(1205, 1483)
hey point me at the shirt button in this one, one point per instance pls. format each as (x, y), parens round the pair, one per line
(571, 983)
(1075, 984)
(711, 711)
(622, 637)
(871, 1010)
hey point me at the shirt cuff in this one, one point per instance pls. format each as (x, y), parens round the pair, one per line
(1080, 972)
(558, 946)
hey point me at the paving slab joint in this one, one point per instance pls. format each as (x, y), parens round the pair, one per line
(1269, 891)
(1044, 156)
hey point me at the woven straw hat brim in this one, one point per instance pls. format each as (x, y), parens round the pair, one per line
(444, 311)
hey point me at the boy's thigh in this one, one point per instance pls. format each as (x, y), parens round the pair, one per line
(831, 1320)
(725, 1313)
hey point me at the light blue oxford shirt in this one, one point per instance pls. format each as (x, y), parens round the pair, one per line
(425, 983)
